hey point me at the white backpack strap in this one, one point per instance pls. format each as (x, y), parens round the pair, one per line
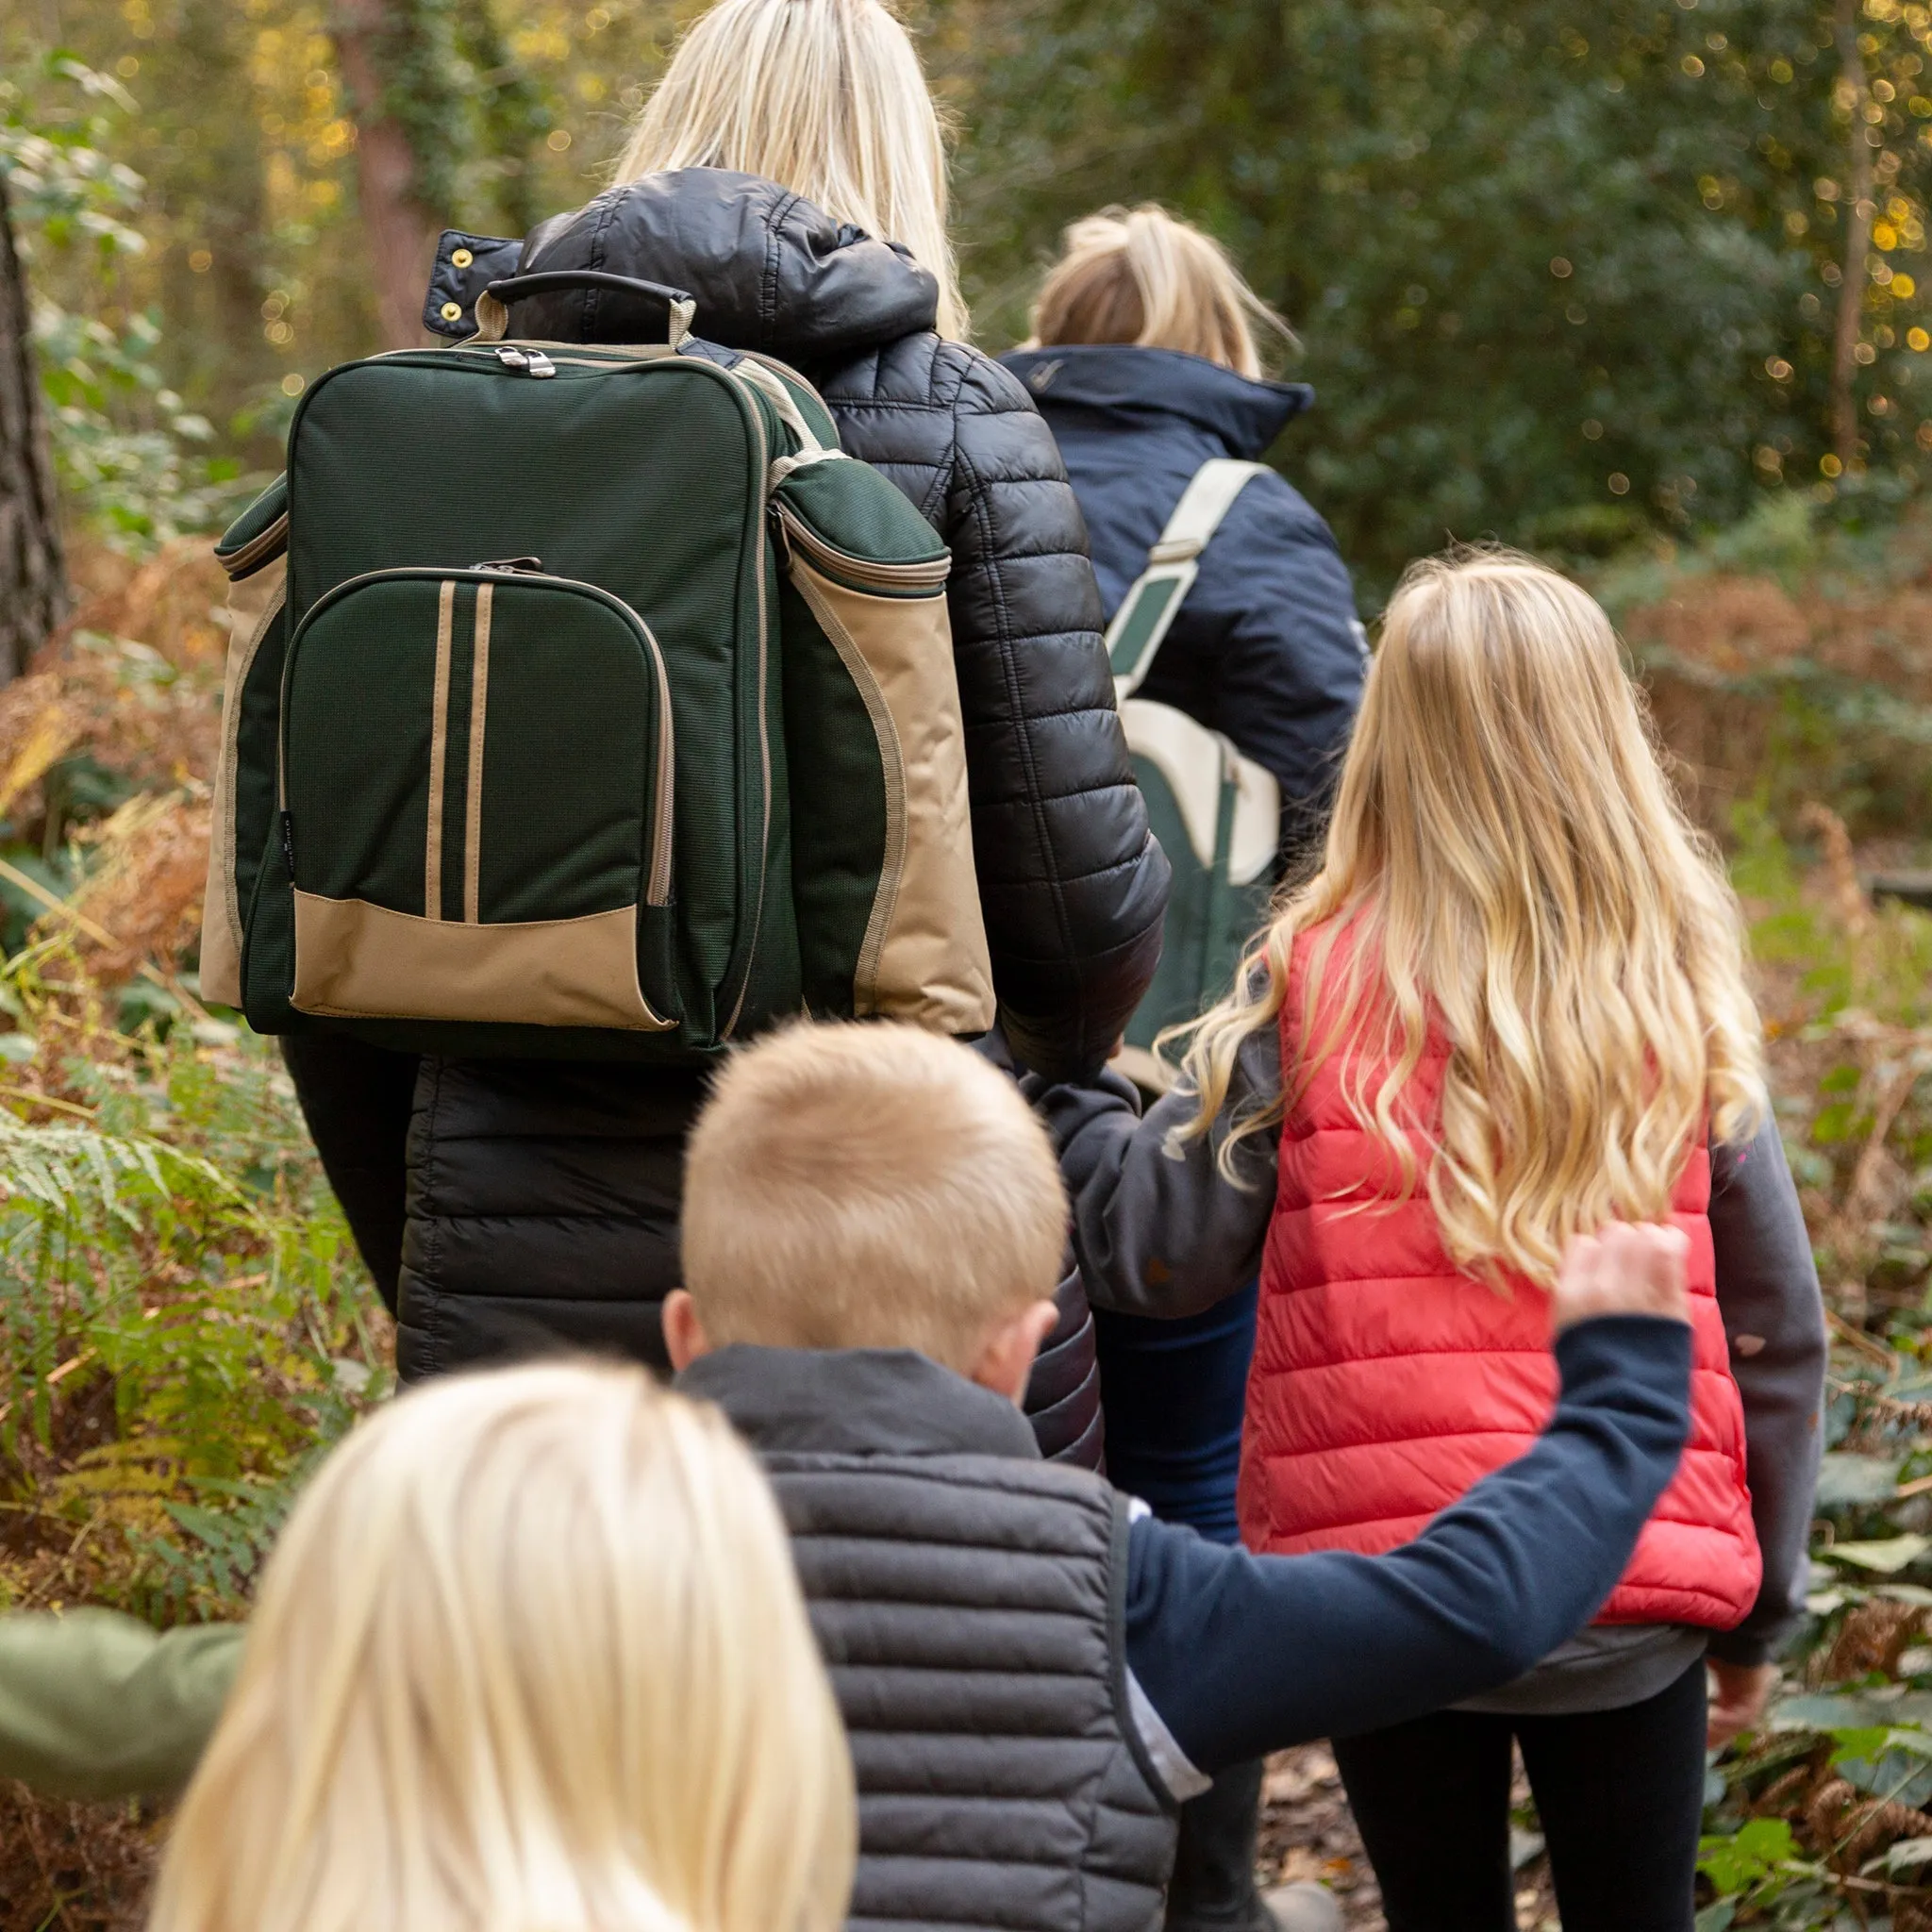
(1156, 597)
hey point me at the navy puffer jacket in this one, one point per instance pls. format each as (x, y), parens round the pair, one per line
(1266, 648)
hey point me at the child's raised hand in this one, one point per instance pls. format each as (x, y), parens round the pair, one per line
(1626, 1269)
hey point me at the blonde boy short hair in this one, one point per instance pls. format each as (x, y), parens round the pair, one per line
(868, 1187)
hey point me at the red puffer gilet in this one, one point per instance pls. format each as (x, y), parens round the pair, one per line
(1386, 1382)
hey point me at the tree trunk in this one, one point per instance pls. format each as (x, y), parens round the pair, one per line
(33, 575)
(402, 231)
(1859, 215)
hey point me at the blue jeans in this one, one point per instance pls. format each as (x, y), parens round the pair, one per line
(1172, 1393)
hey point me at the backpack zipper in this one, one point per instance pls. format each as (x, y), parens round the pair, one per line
(526, 361)
(261, 548)
(658, 881)
(859, 573)
(755, 406)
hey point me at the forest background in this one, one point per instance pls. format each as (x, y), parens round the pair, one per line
(1564, 276)
(1641, 287)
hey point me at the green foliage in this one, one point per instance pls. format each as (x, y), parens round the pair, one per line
(244, 130)
(1885, 969)
(131, 455)
(1745, 1861)
(174, 1270)
(468, 110)
(1560, 277)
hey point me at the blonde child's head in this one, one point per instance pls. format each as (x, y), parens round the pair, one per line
(869, 1187)
(1508, 859)
(531, 1657)
(1139, 275)
(825, 97)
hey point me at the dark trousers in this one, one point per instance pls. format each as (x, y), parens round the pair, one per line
(1620, 1794)
(1173, 1394)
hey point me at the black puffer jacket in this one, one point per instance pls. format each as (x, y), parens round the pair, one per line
(544, 1202)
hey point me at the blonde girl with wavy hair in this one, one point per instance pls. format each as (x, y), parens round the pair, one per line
(529, 1657)
(1509, 1006)
(1508, 863)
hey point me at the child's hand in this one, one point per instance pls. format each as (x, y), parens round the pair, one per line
(1739, 1695)
(1628, 1269)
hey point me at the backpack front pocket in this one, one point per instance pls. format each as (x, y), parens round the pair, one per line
(476, 803)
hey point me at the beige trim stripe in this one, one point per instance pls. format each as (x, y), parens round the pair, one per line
(439, 751)
(356, 960)
(472, 810)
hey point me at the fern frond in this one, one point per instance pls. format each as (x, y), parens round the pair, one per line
(62, 1167)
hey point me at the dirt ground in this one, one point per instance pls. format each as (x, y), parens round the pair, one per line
(1306, 1833)
(72, 1868)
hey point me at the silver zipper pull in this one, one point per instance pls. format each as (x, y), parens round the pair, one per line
(519, 566)
(512, 359)
(541, 364)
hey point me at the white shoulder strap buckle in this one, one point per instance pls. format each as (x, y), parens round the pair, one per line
(1155, 599)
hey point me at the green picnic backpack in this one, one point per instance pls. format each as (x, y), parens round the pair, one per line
(1216, 814)
(586, 702)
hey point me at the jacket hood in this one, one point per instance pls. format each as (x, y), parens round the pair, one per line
(856, 1402)
(1135, 386)
(767, 269)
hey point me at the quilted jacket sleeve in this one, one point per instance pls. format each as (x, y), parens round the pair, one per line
(1073, 883)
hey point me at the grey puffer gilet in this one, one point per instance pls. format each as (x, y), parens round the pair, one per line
(969, 1601)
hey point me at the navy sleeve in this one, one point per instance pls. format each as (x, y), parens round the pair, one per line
(1291, 663)
(1244, 1655)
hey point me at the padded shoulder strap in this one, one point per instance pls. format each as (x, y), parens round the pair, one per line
(1155, 600)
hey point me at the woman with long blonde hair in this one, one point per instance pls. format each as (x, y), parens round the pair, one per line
(789, 173)
(1509, 1006)
(529, 1657)
(1148, 360)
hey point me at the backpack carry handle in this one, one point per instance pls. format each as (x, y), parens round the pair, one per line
(493, 305)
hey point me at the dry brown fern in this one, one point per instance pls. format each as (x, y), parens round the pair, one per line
(1871, 1638)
